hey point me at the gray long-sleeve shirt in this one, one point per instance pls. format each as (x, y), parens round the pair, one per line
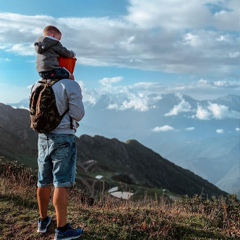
(68, 94)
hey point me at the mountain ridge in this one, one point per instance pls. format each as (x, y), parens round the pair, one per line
(137, 164)
(177, 126)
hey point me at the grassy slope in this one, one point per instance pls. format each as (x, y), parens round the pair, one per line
(110, 218)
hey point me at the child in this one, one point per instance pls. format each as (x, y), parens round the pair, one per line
(49, 49)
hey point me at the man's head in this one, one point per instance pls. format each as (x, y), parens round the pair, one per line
(52, 31)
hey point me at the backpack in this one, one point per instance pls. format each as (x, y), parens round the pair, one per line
(44, 115)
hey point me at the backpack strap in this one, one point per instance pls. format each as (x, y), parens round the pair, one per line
(71, 122)
(50, 82)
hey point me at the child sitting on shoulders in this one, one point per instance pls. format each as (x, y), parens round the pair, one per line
(49, 50)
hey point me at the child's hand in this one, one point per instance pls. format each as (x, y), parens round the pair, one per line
(71, 76)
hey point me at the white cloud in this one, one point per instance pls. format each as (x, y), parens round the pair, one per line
(144, 96)
(225, 83)
(135, 96)
(202, 113)
(112, 107)
(136, 103)
(90, 96)
(221, 111)
(203, 82)
(220, 131)
(237, 129)
(184, 13)
(234, 54)
(183, 106)
(110, 81)
(181, 36)
(191, 40)
(190, 129)
(121, 97)
(220, 83)
(216, 111)
(164, 128)
(195, 39)
(21, 49)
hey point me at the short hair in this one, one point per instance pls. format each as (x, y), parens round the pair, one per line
(49, 29)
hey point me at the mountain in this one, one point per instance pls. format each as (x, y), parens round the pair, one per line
(129, 163)
(134, 163)
(201, 136)
(16, 137)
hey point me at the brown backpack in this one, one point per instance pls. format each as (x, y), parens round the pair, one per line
(44, 115)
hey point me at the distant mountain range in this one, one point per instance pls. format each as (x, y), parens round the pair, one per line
(128, 164)
(202, 136)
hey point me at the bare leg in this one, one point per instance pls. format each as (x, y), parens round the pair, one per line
(43, 197)
(60, 202)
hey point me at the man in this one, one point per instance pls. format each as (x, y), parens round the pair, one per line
(57, 160)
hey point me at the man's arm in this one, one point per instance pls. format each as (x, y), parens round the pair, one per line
(76, 108)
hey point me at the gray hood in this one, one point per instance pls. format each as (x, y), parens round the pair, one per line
(44, 43)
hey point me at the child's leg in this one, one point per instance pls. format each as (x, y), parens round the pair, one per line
(47, 74)
(62, 73)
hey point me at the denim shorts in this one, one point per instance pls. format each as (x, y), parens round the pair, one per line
(56, 160)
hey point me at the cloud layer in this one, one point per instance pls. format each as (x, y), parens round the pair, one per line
(146, 96)
(173, 36)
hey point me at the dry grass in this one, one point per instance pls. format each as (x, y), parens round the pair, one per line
(111, 218)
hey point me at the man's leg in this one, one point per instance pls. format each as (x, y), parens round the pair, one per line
(43, 197)
(60, 202)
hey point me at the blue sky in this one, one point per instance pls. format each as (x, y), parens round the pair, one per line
(180, 46)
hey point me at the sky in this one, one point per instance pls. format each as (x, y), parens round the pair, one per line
(136, 46)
